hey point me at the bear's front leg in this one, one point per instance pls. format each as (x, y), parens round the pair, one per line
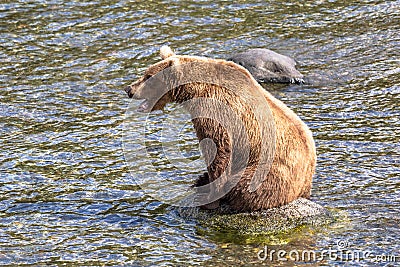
(204, 179)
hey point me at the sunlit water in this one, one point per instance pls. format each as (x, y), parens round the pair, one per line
(66, 194)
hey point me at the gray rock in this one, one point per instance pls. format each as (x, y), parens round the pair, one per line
(301, 212)
(267, 66)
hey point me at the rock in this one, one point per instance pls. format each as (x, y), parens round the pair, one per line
(301, 212)
(267, 66)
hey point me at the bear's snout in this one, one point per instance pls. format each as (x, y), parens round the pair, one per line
(128, 90)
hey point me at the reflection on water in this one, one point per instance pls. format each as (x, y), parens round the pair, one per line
(66, 195)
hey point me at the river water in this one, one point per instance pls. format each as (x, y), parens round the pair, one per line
(66, 193)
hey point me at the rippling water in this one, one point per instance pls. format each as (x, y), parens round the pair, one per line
(66, 195)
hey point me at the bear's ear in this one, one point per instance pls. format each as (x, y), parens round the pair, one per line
(166, 52)
(173, 71)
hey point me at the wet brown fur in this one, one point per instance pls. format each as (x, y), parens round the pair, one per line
(290, 175)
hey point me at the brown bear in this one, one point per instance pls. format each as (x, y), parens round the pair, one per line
(262, 155)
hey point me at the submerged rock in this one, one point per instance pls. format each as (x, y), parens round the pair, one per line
(267, 66)
(301, 212)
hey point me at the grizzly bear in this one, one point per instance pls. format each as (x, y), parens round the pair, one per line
(259, 153)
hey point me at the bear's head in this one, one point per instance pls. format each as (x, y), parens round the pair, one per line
(164, 82)
(155, 96)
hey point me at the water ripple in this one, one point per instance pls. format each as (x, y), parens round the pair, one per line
(67, 195)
